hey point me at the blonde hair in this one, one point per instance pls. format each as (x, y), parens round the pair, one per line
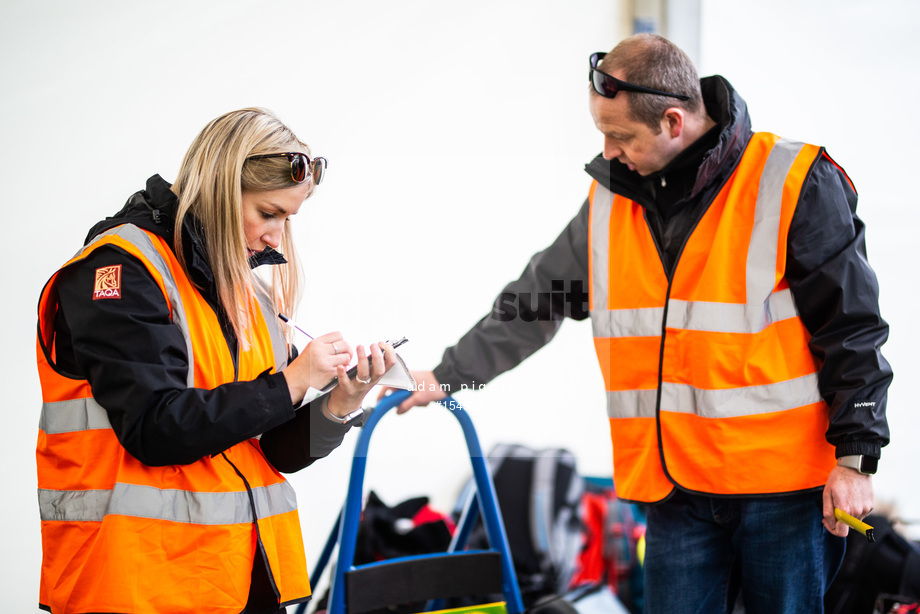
(212, 178)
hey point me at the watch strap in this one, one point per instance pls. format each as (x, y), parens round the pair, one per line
(347, 419)
(865, 465)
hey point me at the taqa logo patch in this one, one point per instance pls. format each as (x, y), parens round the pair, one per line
(108, 282)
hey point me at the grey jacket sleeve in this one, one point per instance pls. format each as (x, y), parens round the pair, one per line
(527, 314)
(836, 292)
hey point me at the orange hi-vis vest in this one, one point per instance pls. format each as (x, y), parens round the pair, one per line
(710, 382)
(121, 536)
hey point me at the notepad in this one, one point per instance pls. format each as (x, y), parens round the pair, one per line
(398, 376)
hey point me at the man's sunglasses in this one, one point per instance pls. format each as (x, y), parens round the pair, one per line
(300, 164)
(608, 86)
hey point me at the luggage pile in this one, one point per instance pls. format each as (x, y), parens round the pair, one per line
(575, 546)
(877, 578)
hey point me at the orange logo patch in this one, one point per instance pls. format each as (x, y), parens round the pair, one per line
(108, 282)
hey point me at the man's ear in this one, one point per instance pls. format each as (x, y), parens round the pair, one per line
(673, 122)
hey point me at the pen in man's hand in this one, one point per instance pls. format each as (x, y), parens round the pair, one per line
(854, 523)
(287, 320)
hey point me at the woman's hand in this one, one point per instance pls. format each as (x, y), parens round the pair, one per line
(317, 364)
(349, 394)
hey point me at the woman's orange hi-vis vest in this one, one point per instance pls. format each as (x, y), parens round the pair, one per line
(710, 382)
(121, 536)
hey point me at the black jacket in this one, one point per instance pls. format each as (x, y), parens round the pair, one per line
(835, 290)
(136, 361)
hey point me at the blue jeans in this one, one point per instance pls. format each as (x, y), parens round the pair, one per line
(702, 551)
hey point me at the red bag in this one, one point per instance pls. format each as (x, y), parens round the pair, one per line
(613, 535)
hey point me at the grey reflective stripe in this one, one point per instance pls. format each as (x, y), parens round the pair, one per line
(272, 321)
(73, 505)
(731, 317)
(696, 315)
(72, 416)
(627, 322)
(761, 256)
(725, 403)
(632, 403)
(141, 240)
(206, 508)
(600, 253)
(747, 401)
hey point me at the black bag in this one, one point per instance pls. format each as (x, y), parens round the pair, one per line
(539, 493)
(896, 604)
(408, 528)
(890, 566)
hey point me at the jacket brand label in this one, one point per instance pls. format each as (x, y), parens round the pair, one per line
(108, 282)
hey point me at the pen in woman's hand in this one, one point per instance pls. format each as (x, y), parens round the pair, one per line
(287, 321)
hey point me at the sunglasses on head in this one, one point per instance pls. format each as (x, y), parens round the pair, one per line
(300, 164)
(608, 86)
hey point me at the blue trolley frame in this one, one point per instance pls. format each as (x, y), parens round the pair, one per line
(484, 502)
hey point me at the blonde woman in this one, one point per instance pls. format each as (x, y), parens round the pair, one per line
(171, 393)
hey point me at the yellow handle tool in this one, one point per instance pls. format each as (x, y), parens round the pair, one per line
(854, 523)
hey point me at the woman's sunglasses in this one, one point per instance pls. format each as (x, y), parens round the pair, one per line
(608, 86)
(300, 164)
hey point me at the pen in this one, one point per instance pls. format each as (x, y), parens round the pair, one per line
(287, 321)
(854, 523)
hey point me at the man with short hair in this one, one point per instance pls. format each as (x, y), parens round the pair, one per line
(736, 323)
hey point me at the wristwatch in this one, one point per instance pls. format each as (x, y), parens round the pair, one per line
(348, 419)
(866, 465)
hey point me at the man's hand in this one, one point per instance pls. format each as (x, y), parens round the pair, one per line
(428, 389)
(852, 492)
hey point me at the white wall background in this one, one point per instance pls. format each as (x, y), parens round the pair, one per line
(456, 134)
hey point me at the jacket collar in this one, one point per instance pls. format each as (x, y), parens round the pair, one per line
(154, 209)
(727, 109)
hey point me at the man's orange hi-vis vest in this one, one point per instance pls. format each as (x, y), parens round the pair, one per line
(121, 536)
(710, 382)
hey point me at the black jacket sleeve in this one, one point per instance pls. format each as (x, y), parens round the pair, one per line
(307, 438)
(836, 293)
(136, 362)
(528, 312)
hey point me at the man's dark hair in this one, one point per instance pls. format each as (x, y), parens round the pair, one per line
(655, 62)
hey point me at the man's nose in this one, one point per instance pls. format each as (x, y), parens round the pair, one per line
(611, 150)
